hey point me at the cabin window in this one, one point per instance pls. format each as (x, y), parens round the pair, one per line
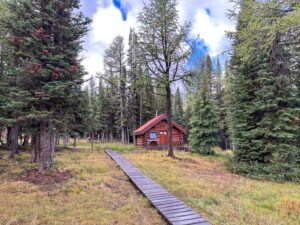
(152, 135)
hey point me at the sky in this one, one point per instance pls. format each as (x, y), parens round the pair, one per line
(116, 17)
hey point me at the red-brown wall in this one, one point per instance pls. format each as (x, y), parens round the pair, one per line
(177, 135)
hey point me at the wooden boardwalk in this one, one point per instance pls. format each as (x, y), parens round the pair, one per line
(173, 210)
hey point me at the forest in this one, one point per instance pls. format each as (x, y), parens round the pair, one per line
(250, 104)
(245, 101)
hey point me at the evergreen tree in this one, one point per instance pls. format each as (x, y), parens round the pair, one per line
(46, 42)
(149, 100)
(116, 75)
(208, 70)
(135, 80)
(266, 116)
(204, 123)
(178, 114)
(221, 107)
(100, 114)
(227, 99)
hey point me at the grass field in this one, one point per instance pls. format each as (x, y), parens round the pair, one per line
(221, 197)
(97, 192)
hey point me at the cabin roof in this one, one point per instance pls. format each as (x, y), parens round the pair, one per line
(155, 120)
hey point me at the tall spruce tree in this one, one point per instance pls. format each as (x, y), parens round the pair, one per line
(221, 107)
(203, 134)
(204, 125)
(227, 99)
(178, 114)
(46, 42)
(265, 111)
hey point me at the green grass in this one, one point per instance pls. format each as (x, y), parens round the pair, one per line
(117, 146)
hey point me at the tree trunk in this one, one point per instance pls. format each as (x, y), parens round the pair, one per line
(46, 146)
(111, 136)
(13, 140)
(1, 137)
(92, 140)
(74, 143)
(35, 148)
(7, 136)
(21, 136)
(169, 120)
(26, 140)
(65, 141)
(53, 144)
(141, 109)
(102, 136)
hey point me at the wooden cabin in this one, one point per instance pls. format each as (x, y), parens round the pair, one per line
(154, 133)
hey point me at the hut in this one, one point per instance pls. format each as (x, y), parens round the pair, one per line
(154, 133)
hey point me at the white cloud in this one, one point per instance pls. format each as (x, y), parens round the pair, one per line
(107, 23)
(211, 28)
(212, 31)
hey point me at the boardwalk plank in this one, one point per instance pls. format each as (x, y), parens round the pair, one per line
(184, 218)
(173, 210)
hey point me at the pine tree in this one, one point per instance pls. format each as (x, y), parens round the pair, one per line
(208, 70)
(204, 123)
(46, 42)
(266, 117)
(101, 113)
(116, 71)
(221, 107)
(178, 115)
(227, 99)
(135, 78)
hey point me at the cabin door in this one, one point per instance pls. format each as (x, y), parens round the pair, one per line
(163, 137)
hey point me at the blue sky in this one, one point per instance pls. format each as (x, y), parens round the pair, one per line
(114, 17)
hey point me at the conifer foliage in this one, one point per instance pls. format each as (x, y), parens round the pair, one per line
(204, 122)
(265, 108)
(45, 36)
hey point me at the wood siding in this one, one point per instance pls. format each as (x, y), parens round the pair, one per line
(177, 135)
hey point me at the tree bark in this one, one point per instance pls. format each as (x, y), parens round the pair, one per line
(65, 141)
(74, 143)
(92, 140)
(13, 140)
(35, 148)
(46, 140)
(53, 144)
(111, 136)
(7, 136)
(26, 140)
(20, 136)
(169, 120)
(1, 137)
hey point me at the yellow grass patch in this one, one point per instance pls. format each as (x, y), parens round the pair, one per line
(97, 193)
(220, 196)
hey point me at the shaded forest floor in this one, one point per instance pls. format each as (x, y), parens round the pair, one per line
(88, 188)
